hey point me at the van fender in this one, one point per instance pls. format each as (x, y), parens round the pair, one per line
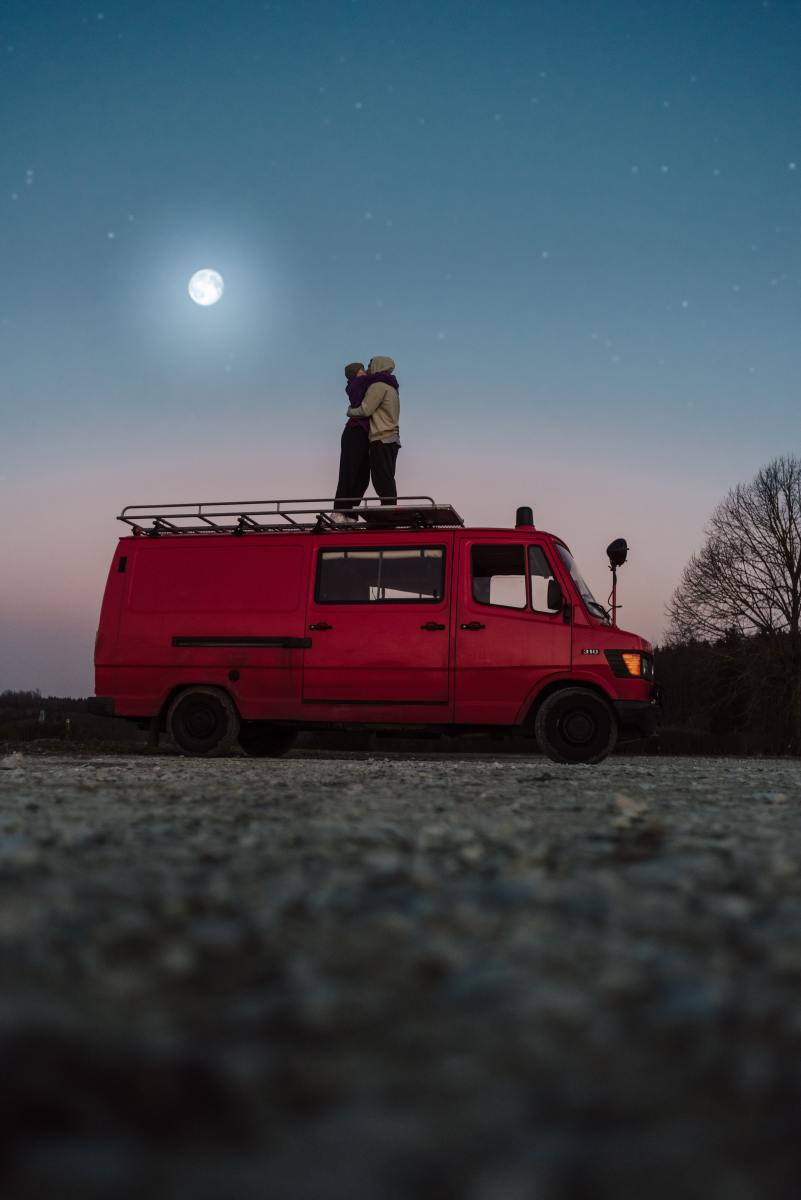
(553, 683)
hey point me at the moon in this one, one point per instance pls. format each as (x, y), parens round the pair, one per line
(206, 287)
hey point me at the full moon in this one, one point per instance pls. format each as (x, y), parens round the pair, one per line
(206, 287)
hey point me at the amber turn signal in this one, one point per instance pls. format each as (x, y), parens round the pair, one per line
(633, 661)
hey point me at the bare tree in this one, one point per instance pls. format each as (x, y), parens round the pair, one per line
(747, 576)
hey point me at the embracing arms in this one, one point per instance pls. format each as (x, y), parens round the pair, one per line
(373, 400)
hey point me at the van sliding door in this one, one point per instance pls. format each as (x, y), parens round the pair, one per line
(379, 622)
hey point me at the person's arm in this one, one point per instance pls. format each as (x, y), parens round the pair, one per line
(373, 400)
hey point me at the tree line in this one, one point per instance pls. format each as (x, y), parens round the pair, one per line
(30, 702)
(731, 664)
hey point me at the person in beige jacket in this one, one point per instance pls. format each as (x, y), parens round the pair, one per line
(382, 405)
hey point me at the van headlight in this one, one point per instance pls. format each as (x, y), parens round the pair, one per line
(630, 664)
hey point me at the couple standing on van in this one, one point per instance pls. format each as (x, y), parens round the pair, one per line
(371, 438)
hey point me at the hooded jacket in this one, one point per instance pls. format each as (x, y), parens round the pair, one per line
(381, 403)
(356, 389)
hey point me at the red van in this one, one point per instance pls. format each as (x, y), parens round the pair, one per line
(226, 623)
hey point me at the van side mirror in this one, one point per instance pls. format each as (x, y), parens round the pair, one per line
(555, 595)
(617, 552)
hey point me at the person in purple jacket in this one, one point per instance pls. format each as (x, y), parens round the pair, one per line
(354, 457)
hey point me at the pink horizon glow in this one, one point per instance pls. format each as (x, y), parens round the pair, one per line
(59, 549)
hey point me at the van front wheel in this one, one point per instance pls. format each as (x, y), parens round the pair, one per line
(575, 726)
(203, 721)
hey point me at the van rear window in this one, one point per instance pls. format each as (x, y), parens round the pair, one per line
(388, 576)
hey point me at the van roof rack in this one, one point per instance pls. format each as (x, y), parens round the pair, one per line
(283, 516)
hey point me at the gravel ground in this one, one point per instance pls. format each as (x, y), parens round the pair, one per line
(347, 977)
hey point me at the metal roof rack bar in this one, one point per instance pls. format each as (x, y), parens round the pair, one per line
(213, 524)
(207, 518)
(245, 522)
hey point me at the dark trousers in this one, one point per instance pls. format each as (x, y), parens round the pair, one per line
(354, 467)
(383, 457)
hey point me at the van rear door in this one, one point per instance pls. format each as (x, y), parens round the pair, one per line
(222, 610)
(379, 620)
(508, 637)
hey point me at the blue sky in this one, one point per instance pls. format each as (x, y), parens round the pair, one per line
(577, 228)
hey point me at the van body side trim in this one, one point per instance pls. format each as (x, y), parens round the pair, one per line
(381, 703)
(283, 643)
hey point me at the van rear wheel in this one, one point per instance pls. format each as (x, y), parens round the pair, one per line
(575, 726)
(260, 739)
(203, 721)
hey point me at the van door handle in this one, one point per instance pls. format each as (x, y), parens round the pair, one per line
(321, 625)
(473, 626)
(432, 626)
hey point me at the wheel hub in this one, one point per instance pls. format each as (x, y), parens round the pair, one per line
(200, 722)
(578, 727)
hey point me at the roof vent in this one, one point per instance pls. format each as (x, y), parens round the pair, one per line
(524, 516)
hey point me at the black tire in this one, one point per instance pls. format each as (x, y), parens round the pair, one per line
(575, 726)
(260, 739)
(203, 721)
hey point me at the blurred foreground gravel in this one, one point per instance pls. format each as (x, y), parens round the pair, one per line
(347, 977)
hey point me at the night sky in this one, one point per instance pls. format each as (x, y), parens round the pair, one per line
(576, 228)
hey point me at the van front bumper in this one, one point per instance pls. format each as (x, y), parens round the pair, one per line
(637, 718)
(100, 706)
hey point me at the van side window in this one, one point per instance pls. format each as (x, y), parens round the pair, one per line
(541, 575)
(499, 575)
(389, 576)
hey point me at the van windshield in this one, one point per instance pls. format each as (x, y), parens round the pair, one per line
(592, 604)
